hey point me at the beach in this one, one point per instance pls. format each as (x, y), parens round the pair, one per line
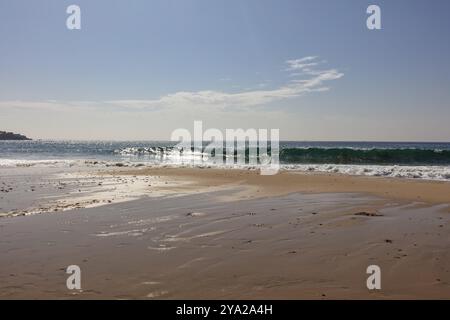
(225, 150)
(205, 233)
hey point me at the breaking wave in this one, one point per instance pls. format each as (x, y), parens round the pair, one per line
(365, 156)
(429, 161)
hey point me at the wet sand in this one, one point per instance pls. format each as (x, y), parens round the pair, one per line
(286, 182)
(204, 233)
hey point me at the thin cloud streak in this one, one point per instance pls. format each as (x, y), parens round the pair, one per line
(207, 99)
(246, 99)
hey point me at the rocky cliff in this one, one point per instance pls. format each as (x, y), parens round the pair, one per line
(12, 136)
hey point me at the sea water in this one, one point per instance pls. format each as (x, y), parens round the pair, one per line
(391, 159)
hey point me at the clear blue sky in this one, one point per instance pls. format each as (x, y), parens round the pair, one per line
(140, 69)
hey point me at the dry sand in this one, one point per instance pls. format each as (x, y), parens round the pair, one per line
(235, 234)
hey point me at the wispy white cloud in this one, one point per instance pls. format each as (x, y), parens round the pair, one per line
(314, 81)
(217, 99)
(302, 63)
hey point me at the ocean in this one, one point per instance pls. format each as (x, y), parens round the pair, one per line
(390, 159)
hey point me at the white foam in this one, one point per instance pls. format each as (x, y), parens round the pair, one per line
(30, 163)
(441, 173)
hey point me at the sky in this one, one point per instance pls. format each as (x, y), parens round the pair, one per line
(138, 70)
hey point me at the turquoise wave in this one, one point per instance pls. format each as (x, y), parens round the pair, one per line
(365, 156)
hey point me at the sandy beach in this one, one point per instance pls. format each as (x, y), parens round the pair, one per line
(171, 233)
(225, 150)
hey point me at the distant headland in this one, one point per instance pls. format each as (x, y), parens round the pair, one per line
(12, 136)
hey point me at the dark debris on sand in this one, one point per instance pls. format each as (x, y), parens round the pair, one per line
(368, 214)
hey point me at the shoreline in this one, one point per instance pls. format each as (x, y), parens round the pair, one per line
(69, 189)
